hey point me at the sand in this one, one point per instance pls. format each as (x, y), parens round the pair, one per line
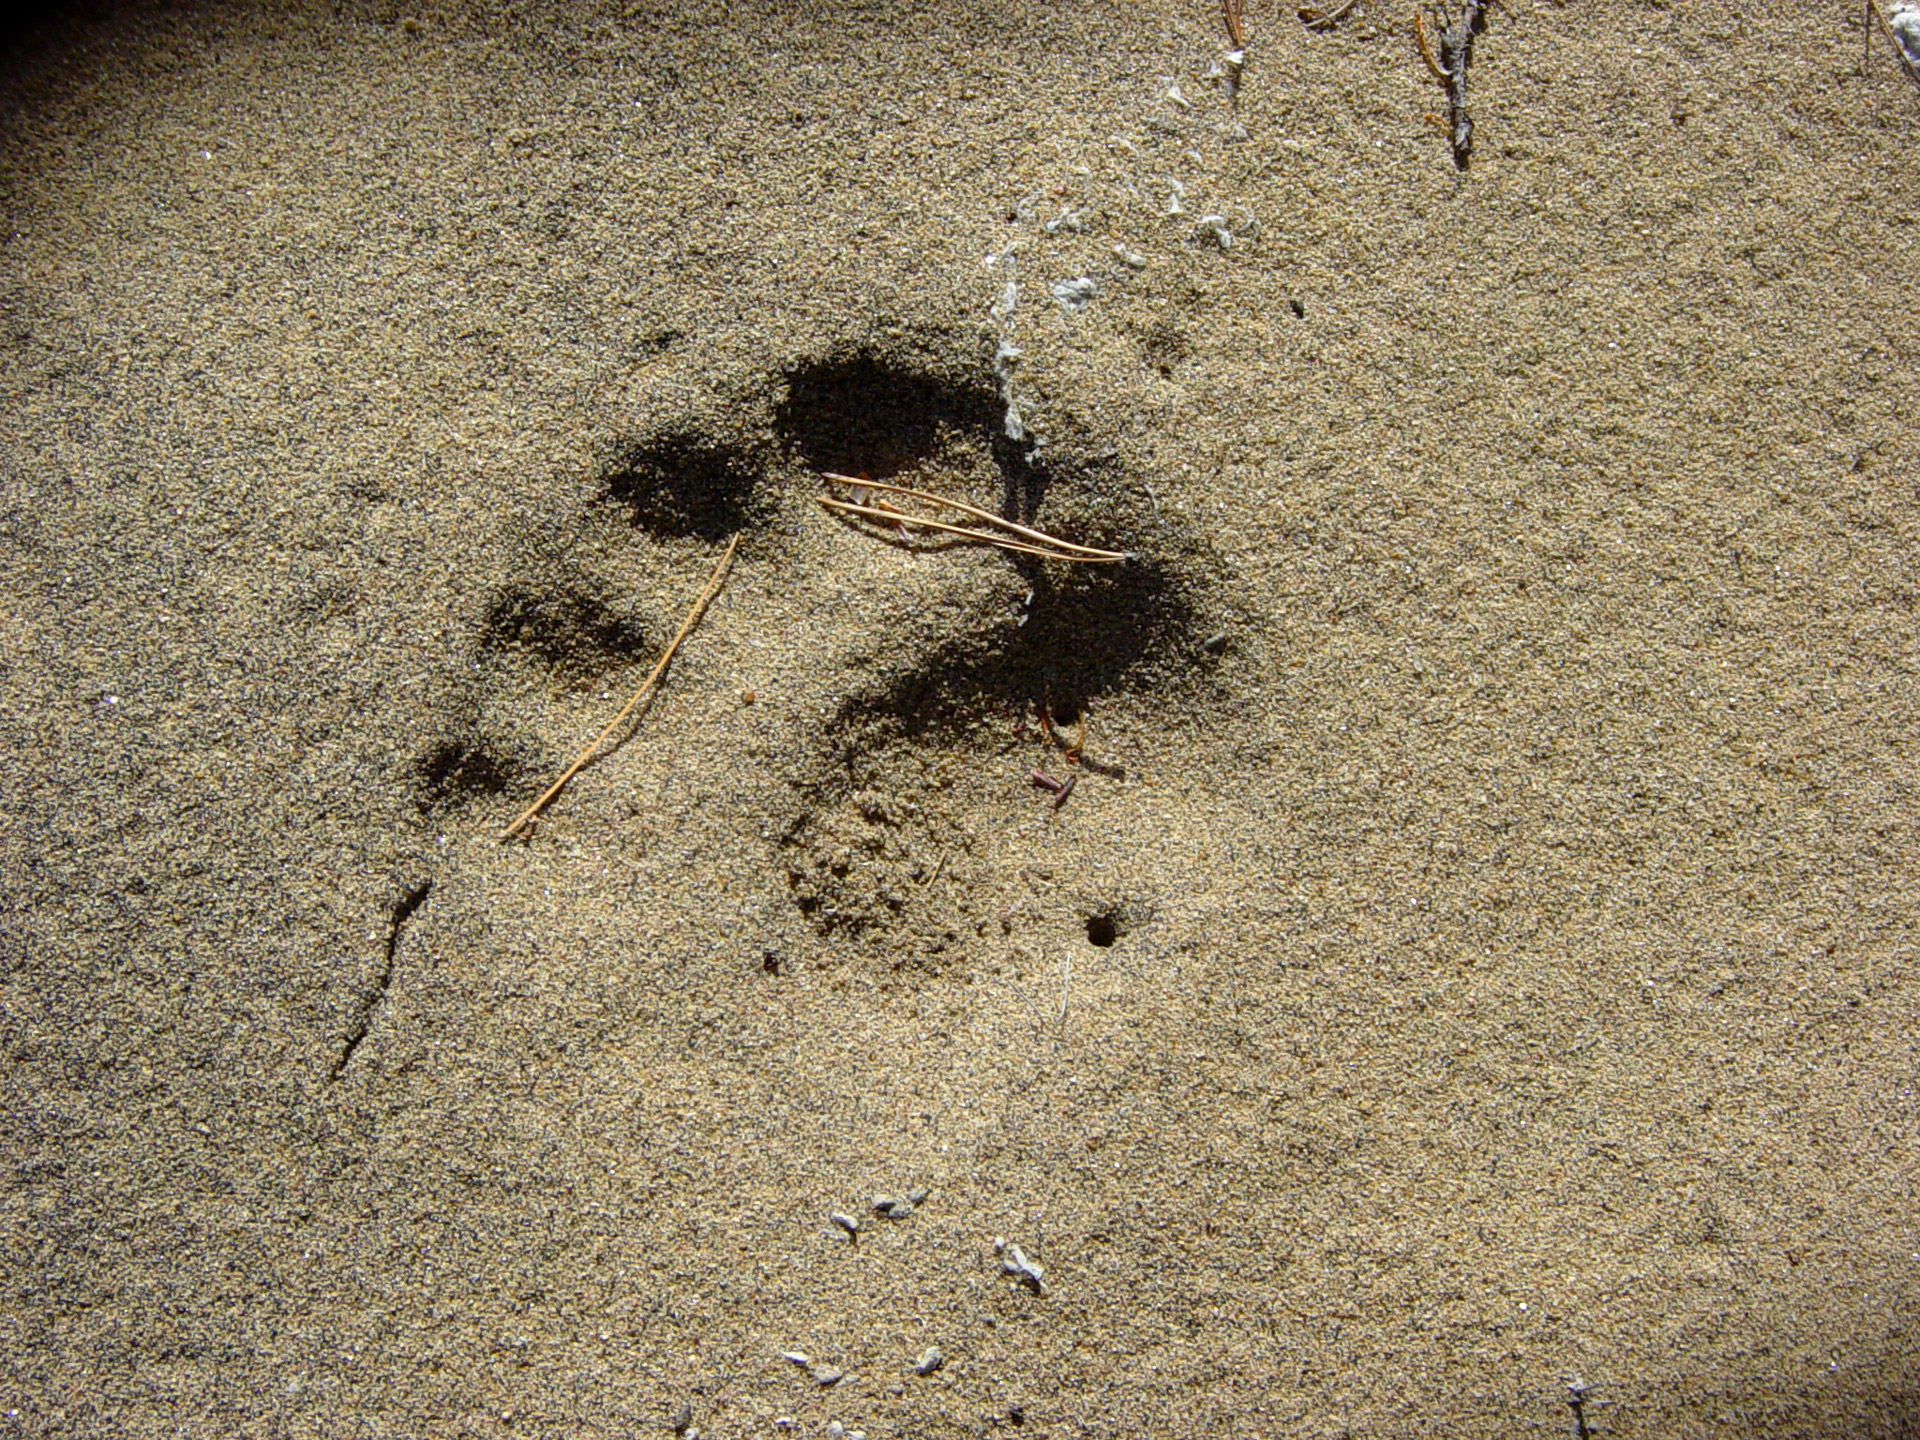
(1473, 972)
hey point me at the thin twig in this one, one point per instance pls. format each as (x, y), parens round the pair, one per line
(1236, 30)
(659, 669)
(1032, 542)
(1425, 43)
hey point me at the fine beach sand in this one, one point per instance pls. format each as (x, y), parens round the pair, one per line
(1478, 955)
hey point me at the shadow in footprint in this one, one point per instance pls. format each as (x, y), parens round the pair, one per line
(682, 485)
(862, 413)
(460, 769)
(577, 635)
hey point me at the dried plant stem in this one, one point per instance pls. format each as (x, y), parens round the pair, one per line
(1029, 541)
(1425, 41)
(659, 669)
(1234, 11)
(1449, 67)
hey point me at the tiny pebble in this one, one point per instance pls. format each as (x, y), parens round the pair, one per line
(847, 1223)
(1214, 644)
(682, 1418)
(899, 1207)
(827, 1374)
(835, 1430)
(798, 1357)
(1014, 1262)
(930, 1361)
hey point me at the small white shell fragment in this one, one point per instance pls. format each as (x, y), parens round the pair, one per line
(1014, 1262)
(1076, 294)
(1132, 259)
(894, 1207)
(824, 1375)
(1069, 220)
(835, 1430)
(1214, 227)
(1173, 94)
(846, 1222)
(930, 1360)
(798, 1357)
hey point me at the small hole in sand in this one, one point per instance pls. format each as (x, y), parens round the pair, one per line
(1102, 931)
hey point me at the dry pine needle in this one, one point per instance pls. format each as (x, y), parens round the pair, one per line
(1004, 533)
(532, 812)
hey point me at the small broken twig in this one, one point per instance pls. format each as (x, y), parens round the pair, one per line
(1449, 66)
(1425, 42)
(1234, 10)
(686, 627)
(1016, 537)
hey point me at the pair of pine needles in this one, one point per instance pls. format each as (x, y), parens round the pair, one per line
(863, 503)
